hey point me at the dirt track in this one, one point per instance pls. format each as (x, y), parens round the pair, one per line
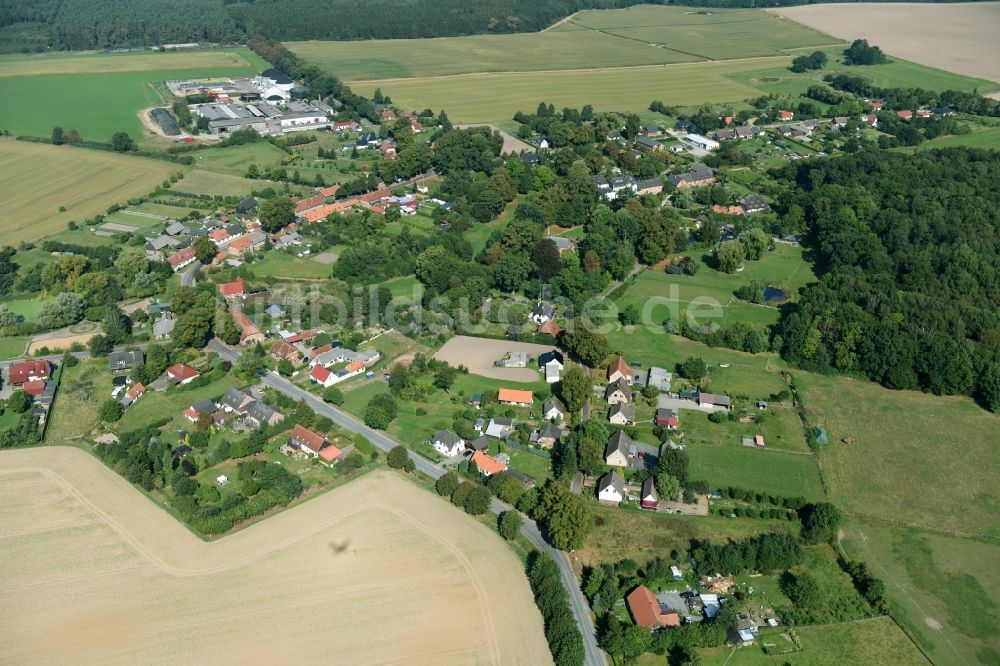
(379, 571)
(478, 355)
(956, 37)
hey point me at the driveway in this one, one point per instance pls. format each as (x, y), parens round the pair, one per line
(666, 402)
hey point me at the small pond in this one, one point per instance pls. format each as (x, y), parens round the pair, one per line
(773, 295)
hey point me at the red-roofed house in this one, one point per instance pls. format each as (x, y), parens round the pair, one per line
(240, 246)
(516, 397)
(181, 258)
(307, 441)
(871, 120)
(233, 290)
(388, 114)
(320, 212)
(136, 391)
(486, 465)
(647, 612)
(322, 376)
(619, 370)
(182, 373)
(875, 104)
(905, 114)
(28, 371)
(550, 327)
(249, 333)
(328, 191)
(346, 126)
(219, 258)
(313, 353)
(35, 388)
(786, 115)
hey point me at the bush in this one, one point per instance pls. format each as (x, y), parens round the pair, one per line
(110, 411)
(333, 395)
(399, 458)
(510, 525)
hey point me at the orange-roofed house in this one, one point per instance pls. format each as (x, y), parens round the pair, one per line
(182, 373)
(240, 246)
(218, 235)
(516, 397)
(619, 370)
(905, 114)
(233, 290)
(330, 453)
(311, 202)
(328, 191)
(550, 327)
(786, 115)
(307, 441)
(136, 391)
(320, 212)
(486, 465)
(647, 611)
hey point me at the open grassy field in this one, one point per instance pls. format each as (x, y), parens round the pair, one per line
(917, 458)
(861, 643)
(155, 405)
(36, 179)
(13, 347)
(99, 95)
(943, 589)
(284, 265)
(986, 138)
(120, 580)
(234, 160)
(644, 35)
(959, 37)
(496, 97)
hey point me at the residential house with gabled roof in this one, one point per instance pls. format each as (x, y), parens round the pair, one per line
(197, 409)
(647, 612)
(181, 258)
(548, 435)
(181, 373)
(618, 392)
(699, 174)
(611, 488)
(667, 418)
(550, 327)
(285, 352)
(541, 313)
(448, 443)
(647, 496)
(500, 427)
(619, 369)
(553, 409)
(621, 414)
(307, 441)
(617, 448)
(233, 291)
(249, 333)
(487, 465)
(715, 401)
(260, 414)
(515, 397)
(551, 363)
(121, 360)
(235, 400)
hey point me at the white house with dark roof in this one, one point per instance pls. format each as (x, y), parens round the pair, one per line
(611, 488)
(448, 443)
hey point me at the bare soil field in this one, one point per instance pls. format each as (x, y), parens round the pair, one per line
(478, 355)
(956, 37)
(378, 571)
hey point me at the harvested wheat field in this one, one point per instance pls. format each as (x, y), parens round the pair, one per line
(378, 571)
(479, 354)
(956, 37)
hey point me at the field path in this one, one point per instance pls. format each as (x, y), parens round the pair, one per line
(565, 19)
(374, 572)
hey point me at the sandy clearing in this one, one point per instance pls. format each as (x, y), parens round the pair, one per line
(64, 342)
(956, 37)
(478, 355)
(511, 144)
(325, 258)
(378, 571)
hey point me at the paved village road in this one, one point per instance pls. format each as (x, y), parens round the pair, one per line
(578, 603)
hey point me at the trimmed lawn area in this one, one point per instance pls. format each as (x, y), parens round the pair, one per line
(234, 160)
(28, 307)
(171, 403)
(13, 347)
(407, 289)
(281, 264)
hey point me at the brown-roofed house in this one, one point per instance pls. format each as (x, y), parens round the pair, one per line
(309, 442)
(249, 333)
(284, 351)
(619, 370)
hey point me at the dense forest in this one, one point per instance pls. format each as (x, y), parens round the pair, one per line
(909, 251)
(41, 25)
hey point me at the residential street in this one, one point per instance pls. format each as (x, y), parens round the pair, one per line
(581, 610)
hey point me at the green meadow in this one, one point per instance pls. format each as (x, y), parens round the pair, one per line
(99, 95)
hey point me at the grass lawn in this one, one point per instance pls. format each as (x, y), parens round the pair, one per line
(234, 160)
(718, 457)
(917, 458)
(13, 347)
(870, 641)
(647, 35)
(281, 264)
(942, 589)
(642, 535)
(985, 138)
(407, 288)
(164, 210)
(99, 95)
(171, 403)
(36, 180)
(203, 181)
(33, 257)
(28, 307)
